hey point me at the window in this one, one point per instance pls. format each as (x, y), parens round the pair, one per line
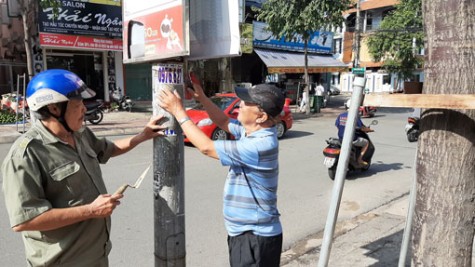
(337, 46)
(368, 21)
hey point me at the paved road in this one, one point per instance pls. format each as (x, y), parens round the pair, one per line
(304, 193)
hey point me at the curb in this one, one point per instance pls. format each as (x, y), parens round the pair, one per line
(9, 137)
(124, 131)
(310, 246)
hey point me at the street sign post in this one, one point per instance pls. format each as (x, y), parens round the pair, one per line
(358, 71)
(341, 170)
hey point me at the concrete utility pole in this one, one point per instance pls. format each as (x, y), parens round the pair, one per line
(168, 175)
(356, 58)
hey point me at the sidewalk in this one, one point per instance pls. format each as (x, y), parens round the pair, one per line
(370, 239)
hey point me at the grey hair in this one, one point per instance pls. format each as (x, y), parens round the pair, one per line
(43, 113)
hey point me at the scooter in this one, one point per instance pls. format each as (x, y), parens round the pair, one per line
(412, 129)
(367, 111)
(94, 113)
(123, 102)
(333, 149)
(333, 90)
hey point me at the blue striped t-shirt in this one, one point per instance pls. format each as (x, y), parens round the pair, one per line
(250, 192)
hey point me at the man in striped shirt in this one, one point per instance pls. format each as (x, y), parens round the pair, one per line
(250, 193)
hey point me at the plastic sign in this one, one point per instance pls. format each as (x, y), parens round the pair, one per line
(154, 30)
(319, 42)
(360, 71)
(82, 18)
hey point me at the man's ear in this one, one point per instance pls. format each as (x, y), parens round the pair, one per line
(262, 118)
(54, 109)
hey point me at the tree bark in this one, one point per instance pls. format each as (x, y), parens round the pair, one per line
(307, 79)
(28, 16)
(443, 226)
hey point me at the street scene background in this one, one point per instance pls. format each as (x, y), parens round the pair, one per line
(305, 191)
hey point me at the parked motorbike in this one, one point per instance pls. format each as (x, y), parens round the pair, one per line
(94, 113)
(333, 149)
(412, 129)
(366, 111)
(333, 90)
(123, 102)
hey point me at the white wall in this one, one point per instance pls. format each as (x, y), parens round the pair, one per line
(374, 83)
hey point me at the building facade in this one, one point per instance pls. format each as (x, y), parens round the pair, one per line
(266, 58)
(12, 50)
(372, 13)
(85, 38)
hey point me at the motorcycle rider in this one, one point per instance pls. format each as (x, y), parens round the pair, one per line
(361, 142)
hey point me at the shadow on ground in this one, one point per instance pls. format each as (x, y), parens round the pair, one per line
(386, 250)
(295, 134)
(375, 168)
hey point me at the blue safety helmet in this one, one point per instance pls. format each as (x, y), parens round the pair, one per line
(55, 86)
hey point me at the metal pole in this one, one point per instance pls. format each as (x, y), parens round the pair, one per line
(168, 175)
(297, 106)
(24, 102)
(357, 95)
(17, 99)
(105, 75)
(410, 214)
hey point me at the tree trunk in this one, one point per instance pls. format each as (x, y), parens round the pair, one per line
(307, 79)
(443, 226)
(28, 16)
(27, 42)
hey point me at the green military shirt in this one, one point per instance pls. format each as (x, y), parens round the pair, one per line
(41, 172)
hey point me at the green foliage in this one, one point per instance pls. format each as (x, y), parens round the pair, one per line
(290, 17)
(55, 4)
(393, 42)
(50, 3)
(114, 106)
(6, 116)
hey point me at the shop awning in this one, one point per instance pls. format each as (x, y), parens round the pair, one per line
(287, 62)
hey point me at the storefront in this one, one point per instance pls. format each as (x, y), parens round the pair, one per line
(281, 61)
(12, 51)
(288, 67)
(89, 66)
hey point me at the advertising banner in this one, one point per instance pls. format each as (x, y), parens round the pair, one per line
(80, 42)
(87, 18)
(319, 42)
(154, 30)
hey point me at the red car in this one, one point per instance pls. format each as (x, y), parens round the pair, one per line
(229, 103)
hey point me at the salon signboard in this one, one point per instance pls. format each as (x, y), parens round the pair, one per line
(80, 42)
(85, 18)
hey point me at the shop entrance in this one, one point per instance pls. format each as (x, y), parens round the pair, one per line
(87, 65)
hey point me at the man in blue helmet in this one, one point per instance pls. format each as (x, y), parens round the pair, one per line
(52, 182)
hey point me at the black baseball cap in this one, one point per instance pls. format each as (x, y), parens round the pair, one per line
(269, 97)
